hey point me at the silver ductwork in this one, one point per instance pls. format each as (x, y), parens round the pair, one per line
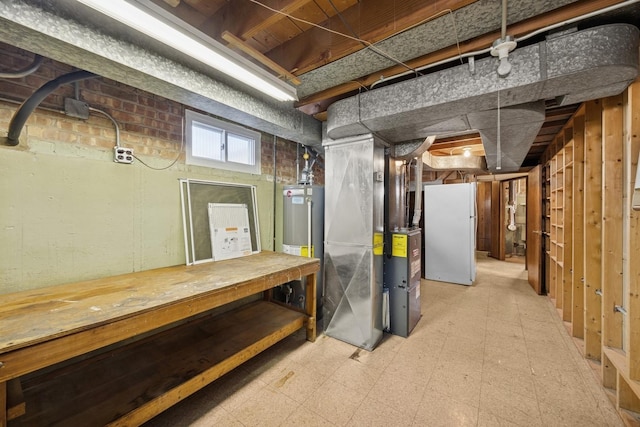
(354, 235)
(570, 68)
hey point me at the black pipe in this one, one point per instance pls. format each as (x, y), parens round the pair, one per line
(29, 69)
(24, 111)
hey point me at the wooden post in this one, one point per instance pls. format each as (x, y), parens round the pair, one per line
(497, 220)
(310, 308)
(593, 230)
(3, 404)
(567, 269)
(632, 330)
(577, 314)
(612, 182)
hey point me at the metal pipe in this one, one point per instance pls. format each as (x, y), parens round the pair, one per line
(620, 309)
(417, 207)
(115, 124)
(297, 163)
(275, 142)
(498, 138)
(24, 111)
(576, 19)
(504, 19)
(309, 218)
(29, 69)
(517, 40)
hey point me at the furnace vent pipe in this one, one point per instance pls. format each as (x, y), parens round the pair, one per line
(29, 69)
(417, 208)
(24, 111)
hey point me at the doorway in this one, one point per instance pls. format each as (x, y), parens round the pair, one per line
(515, 220)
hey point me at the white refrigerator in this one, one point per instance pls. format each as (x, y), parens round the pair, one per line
(450, 233)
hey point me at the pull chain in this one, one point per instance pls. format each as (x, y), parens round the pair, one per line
(498, 144)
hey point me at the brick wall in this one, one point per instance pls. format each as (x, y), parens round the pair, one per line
(150, 124)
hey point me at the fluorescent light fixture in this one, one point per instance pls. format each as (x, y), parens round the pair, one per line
(140, 20)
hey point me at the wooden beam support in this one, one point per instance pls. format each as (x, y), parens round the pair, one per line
(567, 270)
(577, 314)
(3, 404)
(316, 47)
(497, 221)
(16, 406)
(259, 24)
(241, 45)
(612, 207)
(632, 284)
(593, 230)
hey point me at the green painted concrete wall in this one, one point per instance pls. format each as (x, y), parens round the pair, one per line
(69, 213)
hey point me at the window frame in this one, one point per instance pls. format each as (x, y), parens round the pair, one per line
(226, 128)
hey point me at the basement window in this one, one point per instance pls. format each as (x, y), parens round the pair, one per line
(222, 145)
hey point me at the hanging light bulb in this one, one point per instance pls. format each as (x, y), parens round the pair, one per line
(466, 151)
(501, 49)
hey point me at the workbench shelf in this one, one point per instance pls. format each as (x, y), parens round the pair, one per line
(146, 377)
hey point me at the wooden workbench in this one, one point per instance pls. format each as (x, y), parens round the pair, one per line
(120, 350)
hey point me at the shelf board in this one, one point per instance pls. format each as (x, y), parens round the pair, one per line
(619, 360)
(147, 376)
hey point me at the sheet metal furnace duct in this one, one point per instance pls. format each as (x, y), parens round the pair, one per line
(571, 68)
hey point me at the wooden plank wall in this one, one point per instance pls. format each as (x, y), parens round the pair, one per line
(632, 249)
(603, 139)
(483, 237)
(497, 220)
(577, 278)
(612, 207)
(567, 271)
(593, 229)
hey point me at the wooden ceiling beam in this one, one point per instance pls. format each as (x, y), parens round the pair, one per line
(456, 144)
(517, 29)
(254, 26)
(240, 44)
(377, 21)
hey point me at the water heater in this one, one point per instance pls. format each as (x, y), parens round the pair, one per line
(303, 235)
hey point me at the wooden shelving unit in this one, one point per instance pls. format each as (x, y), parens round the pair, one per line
(546, 224)
(567, 228)
(556, 249)
(560, 203)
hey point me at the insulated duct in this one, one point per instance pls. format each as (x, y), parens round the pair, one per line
(572, 68)
(24, 111)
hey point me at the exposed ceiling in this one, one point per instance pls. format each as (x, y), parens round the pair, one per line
(329, 49)
(293, 34)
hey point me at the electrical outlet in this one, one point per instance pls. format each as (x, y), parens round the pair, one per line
(123, 155)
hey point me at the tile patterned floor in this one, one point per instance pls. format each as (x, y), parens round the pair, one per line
(494, 354)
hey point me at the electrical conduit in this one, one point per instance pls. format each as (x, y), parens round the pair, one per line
(24, 111)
